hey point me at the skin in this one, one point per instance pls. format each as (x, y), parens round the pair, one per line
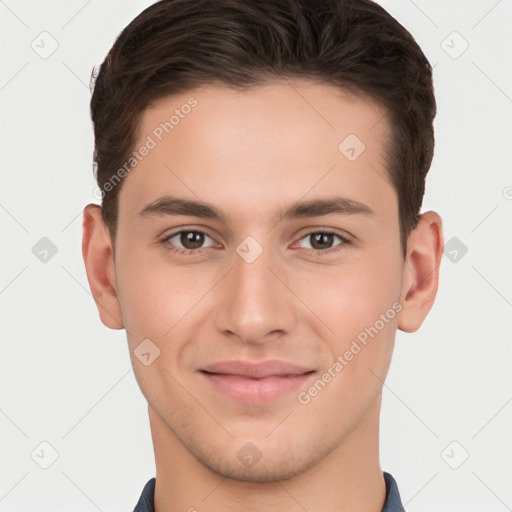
(251, 153)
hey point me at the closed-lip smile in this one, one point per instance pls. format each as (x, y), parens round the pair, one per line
(255, 382)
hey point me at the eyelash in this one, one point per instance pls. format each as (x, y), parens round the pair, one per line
(198, 252)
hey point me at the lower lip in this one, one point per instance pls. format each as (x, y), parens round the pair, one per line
(256, 391)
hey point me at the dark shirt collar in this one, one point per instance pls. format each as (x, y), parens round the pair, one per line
(393, 502)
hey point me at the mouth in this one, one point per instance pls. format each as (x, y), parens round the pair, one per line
(258, 383)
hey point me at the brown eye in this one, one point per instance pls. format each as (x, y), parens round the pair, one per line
(323, 242)
(191, 239)
(187, 240)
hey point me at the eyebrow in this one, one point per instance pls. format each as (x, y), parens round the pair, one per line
(174, 205)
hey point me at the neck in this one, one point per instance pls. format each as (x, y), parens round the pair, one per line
(348, 479)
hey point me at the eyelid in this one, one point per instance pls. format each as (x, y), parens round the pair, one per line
(306, 231)
(333, 231)
(186, 229)
(168, 233)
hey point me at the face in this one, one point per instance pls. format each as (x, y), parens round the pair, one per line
(296, 259)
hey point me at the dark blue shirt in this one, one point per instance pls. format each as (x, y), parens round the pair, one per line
(393, 502)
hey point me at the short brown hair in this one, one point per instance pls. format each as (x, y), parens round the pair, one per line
(177, 45)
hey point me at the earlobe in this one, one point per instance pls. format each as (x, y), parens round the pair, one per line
(99, 263)
(421, 271)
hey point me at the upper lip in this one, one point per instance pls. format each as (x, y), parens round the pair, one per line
(257, 370)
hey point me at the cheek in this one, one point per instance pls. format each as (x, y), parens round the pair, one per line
(160, 299)
(148, 294)
(349, 298)
(361, 309)
(359, 304)
(374, 318)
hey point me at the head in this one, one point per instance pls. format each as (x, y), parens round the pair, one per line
(356, 46)
(257, 108)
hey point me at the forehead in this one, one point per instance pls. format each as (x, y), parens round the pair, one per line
(267, 108)
(252, 147)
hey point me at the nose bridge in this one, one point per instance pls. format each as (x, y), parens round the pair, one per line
(253, 277)
(253, 302)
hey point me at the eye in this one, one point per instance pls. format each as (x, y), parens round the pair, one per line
(191, 241)
(321, 242)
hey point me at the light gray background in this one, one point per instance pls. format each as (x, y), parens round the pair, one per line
(67, 380)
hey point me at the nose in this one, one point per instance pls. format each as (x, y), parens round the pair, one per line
(255, 304)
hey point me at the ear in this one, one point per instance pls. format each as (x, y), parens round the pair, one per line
(99, 263)
(420, 277)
